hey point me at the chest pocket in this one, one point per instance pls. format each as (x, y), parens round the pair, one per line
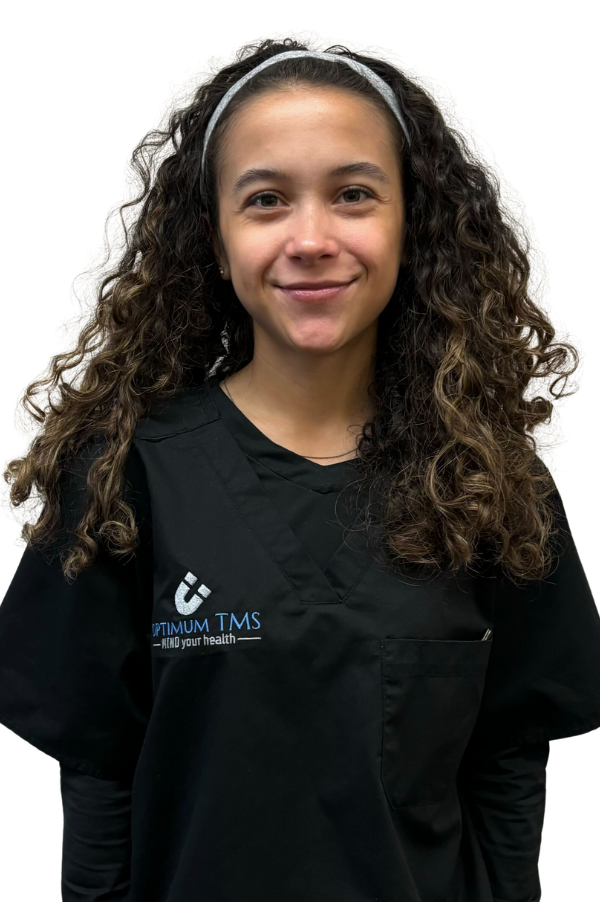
(431, 690)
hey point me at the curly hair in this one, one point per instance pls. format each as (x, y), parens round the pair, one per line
(449, 447)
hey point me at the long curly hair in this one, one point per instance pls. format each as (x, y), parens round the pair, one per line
(449, 448)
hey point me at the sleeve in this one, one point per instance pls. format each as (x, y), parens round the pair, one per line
(96, 852)
(543, 677)
(504, 794)
(75, 665)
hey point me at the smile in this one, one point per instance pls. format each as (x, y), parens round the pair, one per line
(312, 295)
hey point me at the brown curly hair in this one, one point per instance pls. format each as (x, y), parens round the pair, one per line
(450, 444)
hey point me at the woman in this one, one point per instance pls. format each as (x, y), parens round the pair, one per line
(302, 610)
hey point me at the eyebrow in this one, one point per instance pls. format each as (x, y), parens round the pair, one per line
(257, 174)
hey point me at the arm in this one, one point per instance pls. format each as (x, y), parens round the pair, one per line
(504, 791)
(96, 854)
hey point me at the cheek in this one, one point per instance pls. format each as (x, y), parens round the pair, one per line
(248, 267)
(377, 251)
(372, 245)
(254, 252)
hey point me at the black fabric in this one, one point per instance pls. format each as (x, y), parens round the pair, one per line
(75, 668)
(542, 681)
(503, 794)
(96, 849)
(287, 751)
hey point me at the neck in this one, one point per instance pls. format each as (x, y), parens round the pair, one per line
(315, 406)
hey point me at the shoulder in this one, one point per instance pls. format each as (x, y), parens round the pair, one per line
(74, 483)
(181, 412)
(553, 497)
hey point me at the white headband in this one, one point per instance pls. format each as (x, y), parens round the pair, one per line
(378, 83)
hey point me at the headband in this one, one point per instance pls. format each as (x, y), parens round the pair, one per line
(378, 83)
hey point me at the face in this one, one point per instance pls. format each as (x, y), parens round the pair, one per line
(330, 209)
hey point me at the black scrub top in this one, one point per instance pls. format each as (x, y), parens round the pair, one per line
(291, 732)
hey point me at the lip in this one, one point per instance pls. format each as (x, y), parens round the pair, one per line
(312, 295)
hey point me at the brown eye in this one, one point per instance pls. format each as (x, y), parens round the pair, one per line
(251, 202)
(356, 190)
(353, 189)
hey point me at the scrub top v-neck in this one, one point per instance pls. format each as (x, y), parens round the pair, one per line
(249, 484)
(292, 732)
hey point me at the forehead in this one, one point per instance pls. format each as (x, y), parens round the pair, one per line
(304, 125)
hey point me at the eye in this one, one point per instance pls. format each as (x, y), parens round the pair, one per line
(353, 189)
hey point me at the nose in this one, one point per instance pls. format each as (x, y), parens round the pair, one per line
(311, 233)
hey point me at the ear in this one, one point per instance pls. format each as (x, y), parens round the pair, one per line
(216, 244)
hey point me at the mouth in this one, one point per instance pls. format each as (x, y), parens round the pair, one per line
(325, 292)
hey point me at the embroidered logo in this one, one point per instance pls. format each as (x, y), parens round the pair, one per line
(176, 635)
(181, 603)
